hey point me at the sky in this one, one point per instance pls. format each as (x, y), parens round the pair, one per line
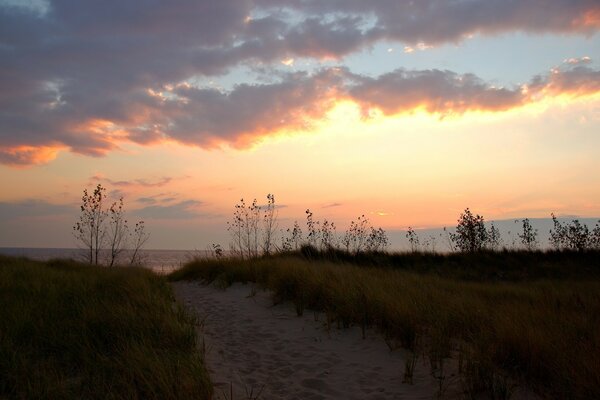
(404, 111)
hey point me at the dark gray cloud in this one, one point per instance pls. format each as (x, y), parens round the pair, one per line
(435, 21)
(86, 76)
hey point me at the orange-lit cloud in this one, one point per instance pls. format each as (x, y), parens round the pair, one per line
(432, 90)
(579, 81)
(589, 19)
(241, 117)
(21, 156)
(114, 72)
(445, 92)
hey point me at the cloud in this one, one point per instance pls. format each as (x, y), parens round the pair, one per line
(182, 210)
(436, 91)
(88, 76)
(25, 155)
(240, 117)
(578, 81)
(209, 117)
(133, 183)
(33, 208)
(433, 21)
(575, 61)
(160, 198)
(146, 200)
(445, 92)
(331, 205)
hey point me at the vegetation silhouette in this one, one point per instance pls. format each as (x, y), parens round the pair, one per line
(574, 236)
(104, 229)
(253, 227)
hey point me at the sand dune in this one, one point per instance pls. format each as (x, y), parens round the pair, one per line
(255, 348)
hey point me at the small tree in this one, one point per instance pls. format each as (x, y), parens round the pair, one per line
(595, 242)
(117, 230)
(313, 229)
(244, 229)
(573, 236)
(528, 235)
(578, 236)
(413, 239)
(327, 235)
(252, 224)
(99, 226)
(471, 235)
(139, 239)
(253, 228)
(236, 228)
(355, 237)
(494, 239)
(377, 240)
(558, 235)
(89, 229)
(269, 224)
(294, 239)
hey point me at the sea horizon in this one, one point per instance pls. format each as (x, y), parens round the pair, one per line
(158, 260)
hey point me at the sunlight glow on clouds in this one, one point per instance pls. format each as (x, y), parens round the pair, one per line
(353, 107)
(210, 118)
(78, 100)
(23, 155)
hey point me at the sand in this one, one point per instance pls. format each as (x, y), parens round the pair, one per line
(257, 350)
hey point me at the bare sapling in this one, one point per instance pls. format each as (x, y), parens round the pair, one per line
(89, 230)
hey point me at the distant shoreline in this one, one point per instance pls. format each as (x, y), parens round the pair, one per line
(162, 261)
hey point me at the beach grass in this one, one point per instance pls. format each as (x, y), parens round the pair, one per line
(74, 331)
(531, 321)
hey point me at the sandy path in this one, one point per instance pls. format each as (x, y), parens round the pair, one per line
(255, 347)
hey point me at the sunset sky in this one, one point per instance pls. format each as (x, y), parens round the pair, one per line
(404, 111)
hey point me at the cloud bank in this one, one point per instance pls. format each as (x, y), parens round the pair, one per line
(88, 76)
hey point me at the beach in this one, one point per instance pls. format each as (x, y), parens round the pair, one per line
(255, 349)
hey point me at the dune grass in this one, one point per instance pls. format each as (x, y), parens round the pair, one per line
(539, 333)
(74, 331)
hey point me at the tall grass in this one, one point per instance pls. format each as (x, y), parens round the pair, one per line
(487, 265)
(540, 333)
(73, 331)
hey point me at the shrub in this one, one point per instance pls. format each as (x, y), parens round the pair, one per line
(471, 235)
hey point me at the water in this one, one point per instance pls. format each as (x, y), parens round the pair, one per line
(160, 261)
